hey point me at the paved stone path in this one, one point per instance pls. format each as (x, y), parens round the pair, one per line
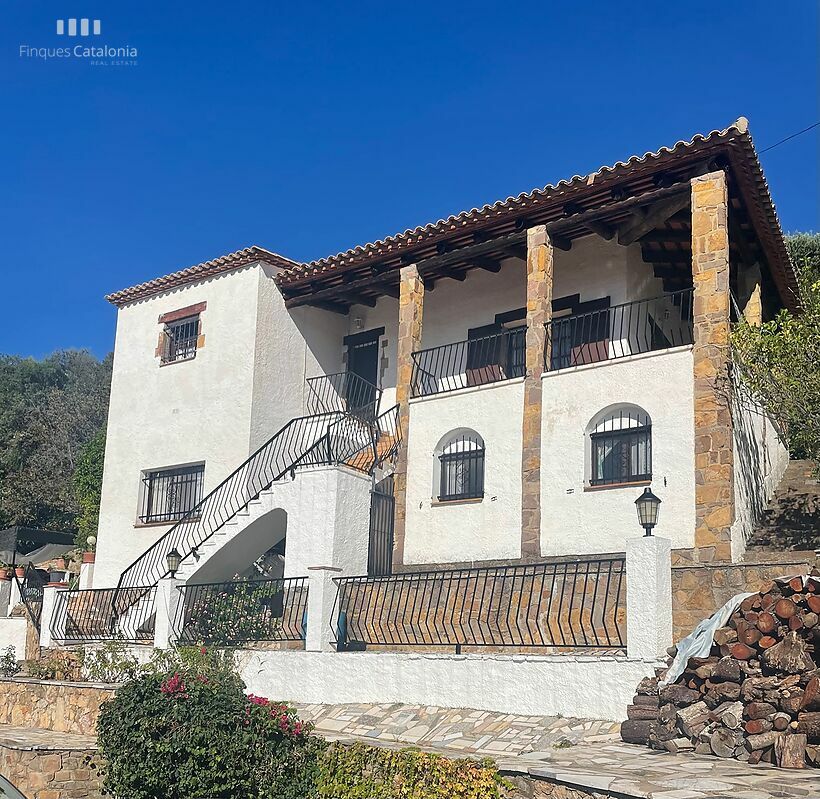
(579, 753)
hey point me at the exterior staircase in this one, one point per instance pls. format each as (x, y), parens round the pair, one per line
(791, 522)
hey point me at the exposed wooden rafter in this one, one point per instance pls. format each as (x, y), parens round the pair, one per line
(657, 214)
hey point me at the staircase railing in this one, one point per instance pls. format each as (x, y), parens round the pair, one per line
(343, 391)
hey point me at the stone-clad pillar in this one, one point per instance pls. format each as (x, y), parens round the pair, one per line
(714, 449)
(411, 311)
(539, 312)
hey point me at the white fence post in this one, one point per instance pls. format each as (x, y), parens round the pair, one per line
(6, 590)
(648, 596)
(86, 573)
(321, 599)
(167, 602)
(15, 597)
(49, 619)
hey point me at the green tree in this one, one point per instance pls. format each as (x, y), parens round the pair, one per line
(780, 360)
(87, 480)
(49, 410)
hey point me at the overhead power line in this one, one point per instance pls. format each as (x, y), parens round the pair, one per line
(789, 138)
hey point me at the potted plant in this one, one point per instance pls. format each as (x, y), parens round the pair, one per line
(5, 571)
(89, 554)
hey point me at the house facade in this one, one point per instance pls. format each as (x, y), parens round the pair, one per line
(496, 388)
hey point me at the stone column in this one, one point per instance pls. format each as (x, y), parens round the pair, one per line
(714, 450)
(539, 312)
(321, 626)
(411, 311)
(754, 305)
(648, 597)
(166, 607)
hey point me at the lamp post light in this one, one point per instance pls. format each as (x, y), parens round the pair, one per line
(648, 506)
(173, 559)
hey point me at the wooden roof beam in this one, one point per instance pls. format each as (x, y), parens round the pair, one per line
(657, 214)
(488, 264)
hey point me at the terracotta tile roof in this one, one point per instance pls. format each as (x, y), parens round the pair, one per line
(225, 263)
(735, 139)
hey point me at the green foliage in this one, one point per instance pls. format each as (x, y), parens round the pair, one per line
(49, 410)
(366, 772)
(192, 732)
(9, 666)
(110, 662)
(87, 485)
(242, 611)
(780, 360)
(55, 666)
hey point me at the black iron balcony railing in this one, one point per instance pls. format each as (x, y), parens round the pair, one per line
(475, 362)
(104, 614)
(31, 588)
(576, 604)
(344, 392)
(620, 330)
(242, 611)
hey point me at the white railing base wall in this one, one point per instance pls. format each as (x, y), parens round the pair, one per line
(585, 686)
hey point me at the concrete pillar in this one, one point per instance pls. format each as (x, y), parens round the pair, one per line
(167, 602)
(6, 587)
(539, 313)
(52, 624)
(86, 575)
(15, 594)
(648, 596)
(321, 624)
(714, 449)
(411, 313)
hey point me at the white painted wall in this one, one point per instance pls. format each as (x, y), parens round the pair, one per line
(454, 531)
(583, 522)
(545, 685)
(13, 633)
(760, 459)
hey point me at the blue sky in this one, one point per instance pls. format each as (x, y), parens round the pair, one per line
(314, 128)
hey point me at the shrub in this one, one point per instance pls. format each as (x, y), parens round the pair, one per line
(9, 666)
(185, 729)
(110, 662)
(366, 772)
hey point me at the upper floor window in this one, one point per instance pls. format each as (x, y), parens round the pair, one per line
(181, 334)
(461, 466)
(170, 494)
(621, 447)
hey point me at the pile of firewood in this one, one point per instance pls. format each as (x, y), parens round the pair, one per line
(756, 697)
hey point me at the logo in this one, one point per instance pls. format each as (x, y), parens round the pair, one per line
(100, 54)
(72, 27)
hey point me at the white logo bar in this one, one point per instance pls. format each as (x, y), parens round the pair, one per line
(86, 27)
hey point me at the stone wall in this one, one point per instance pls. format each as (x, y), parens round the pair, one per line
(51, 774)
(698, 590)
(57, 706)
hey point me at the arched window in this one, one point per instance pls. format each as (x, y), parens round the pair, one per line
(620, 446)
(460, 466)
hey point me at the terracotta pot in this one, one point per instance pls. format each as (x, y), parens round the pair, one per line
(5, 574)
(20, 571)
(59, 564)
(88, 557)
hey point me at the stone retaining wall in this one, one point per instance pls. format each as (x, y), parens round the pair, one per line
(57, 706)
(51, 774)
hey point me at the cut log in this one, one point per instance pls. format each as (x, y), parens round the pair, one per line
(766, 642)
(811, 694)
(791, 701)
(762, 741)
(678, 745)
(693, 719)
(759, 710)
(729, 714)
(766, 622)
(789, 655)
(636, 731)
(649, 701)
(721, 692)
(781, 721)
(679, 695)
(749, 635)
(814, 603)
(796, 623)
(790, 751)
(741, 651)
(810, 620)
(648, 686)
(727, 669)
(644, 712)
(757, 726)
(724, 636)
(809, 724)
(724, 742)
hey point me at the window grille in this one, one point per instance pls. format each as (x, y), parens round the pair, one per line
(180, 339)
(462, 468)
(622, 449)
(171, 494)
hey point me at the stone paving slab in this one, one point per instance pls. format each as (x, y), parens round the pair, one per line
(32, 739)
(575, 752)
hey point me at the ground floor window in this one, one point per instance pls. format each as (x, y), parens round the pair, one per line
(461, 467)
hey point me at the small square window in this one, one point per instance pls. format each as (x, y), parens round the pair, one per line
(180, 339)
(169, 495)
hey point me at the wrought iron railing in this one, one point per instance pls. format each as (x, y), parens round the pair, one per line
(575, 604)
(343, 391)
(30, 589)
(103, 614)
(242, 611)
(620, 330)
(475, 362)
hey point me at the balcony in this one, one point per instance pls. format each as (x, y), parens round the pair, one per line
(620, 330)
(474, 362)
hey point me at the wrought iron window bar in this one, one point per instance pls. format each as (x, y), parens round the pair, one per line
(181, 340)
(171, 494)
